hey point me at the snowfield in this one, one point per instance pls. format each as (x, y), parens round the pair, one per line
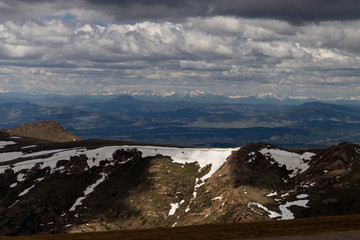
(293, 162)
(203, 156)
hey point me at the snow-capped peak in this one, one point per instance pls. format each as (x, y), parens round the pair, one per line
(269, 95)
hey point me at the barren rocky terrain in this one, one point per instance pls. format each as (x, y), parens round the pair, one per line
(96, 185)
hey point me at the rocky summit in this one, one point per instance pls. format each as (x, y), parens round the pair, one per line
(46, 130)
(95, 185)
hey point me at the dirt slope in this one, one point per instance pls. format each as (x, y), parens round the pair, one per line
(46, 130)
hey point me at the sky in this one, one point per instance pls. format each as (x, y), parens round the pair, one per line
(308, 48)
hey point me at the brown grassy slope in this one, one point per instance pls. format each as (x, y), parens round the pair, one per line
(219, 231)
(46, 130)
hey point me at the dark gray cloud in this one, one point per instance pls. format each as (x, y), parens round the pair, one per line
(294, 11)
(289, 10)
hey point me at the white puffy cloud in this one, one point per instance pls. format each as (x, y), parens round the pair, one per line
(217, 54)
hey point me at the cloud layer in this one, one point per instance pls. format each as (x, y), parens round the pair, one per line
(220, 47)
(295, 11)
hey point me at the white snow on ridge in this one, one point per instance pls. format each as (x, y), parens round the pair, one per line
(292, 161)
(215, 157)
(51, 161)
(8, 156)
(203, 156)
(5, 143)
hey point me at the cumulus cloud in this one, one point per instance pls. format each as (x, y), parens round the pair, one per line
(220, 54)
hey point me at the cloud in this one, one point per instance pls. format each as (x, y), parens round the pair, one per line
(294, 11)
(217, 54)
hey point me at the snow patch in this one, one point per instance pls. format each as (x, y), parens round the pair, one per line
(21, 177)
(174, 207)
(26, 191)
(51, 161)
(286, 214)
(285, 195)
(13, 204)
(88, 190)
(272, 194)
(6, 143)
(302, 196)
(271, 214)
(31, 146)
(292, 161)
(9, 156)
(218, 198)
(357, 151)
(252, 157)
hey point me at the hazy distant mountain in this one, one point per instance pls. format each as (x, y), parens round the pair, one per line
(225, 124)
(162, 95)
(186, 96)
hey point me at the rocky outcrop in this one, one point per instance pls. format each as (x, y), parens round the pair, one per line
(46, 130)
(109, 187)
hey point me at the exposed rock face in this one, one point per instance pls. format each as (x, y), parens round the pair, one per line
(46, 130)
(76, 189)
(248, 164)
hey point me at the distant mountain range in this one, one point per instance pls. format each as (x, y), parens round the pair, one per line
(199, 96)
(197, 123)
(98, 185)
(187, 96)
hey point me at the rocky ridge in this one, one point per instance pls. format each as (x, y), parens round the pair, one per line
(46, 130)
(82, 187)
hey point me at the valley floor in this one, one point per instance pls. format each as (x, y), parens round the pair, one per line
(339, 227)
